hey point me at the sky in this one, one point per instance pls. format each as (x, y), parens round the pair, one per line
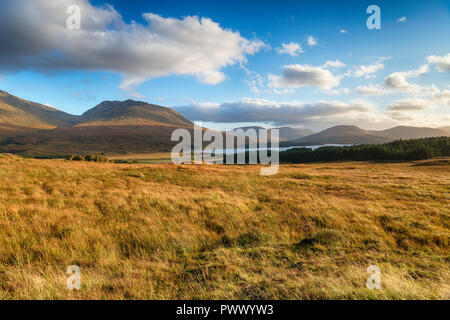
(306, 64)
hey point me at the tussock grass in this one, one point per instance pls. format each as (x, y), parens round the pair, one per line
(223, 232)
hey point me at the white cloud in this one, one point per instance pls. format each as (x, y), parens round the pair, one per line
(371, 90)
(418, 118)
(337, 92)
(211, 77)
(296, 75)
(402, 19)
(399, 80)
(290, 48)
(278, 113)
(367, 71)
(412, 108)
(443, 97)
(413, 104)
(163, 46)
(282, 91)
(343, 31)
(334, 64)
(321, 114)
(442, 63)
(312, 41)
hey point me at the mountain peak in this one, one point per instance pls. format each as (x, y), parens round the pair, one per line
(344, 128)
(343, 134)
(133, 110)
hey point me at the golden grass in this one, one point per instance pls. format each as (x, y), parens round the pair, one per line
(223, 232)
(155, 157)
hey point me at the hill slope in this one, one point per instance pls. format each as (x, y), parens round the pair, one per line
(110, 127)
(18, 116)
(342, 135)
(130, 110)
(446, 129)
(404, 132)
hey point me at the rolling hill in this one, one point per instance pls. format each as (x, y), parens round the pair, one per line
(18, 116)
(446, 129)
(356, 135)
(341, 135)
(110, 127)
(404, 132)
(118, 127)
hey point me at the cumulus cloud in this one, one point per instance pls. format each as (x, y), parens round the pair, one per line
(418, 119)
(334, 64)
(399, 80)
(367, 71)
(337, 92)
(290, 48)
(412, 109)
(402, 19)
(442, 97)
(442, 63)
(163, 46)
(409, 105)
(278, 113)
(312, 41)
(371, 90)
(321, 114)
(296, 75)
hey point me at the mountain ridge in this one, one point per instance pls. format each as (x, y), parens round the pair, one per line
(136, 126)
(22, 116)
(349, 134)
(341, 134)
(408, 132)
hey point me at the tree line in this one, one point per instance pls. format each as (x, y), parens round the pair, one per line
(399, 150)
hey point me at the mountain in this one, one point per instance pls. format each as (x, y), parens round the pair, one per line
(445, 129)
(129, 126)
(341, 135)
(131, 111)
(404, 132)
(285, 133)
(18, 116)
(93, 139)
(288, 133)
(355, 135)
(110, 127)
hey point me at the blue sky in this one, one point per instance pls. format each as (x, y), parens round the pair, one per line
(247, 86)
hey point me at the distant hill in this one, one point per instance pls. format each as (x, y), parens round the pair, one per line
(286, 133)
(341, 135)
(356, 135)
(404, 132)
(130, 126)
(446, 129)
(18, 116)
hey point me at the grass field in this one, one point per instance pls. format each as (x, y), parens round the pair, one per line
(159, 231)
(156, 157)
